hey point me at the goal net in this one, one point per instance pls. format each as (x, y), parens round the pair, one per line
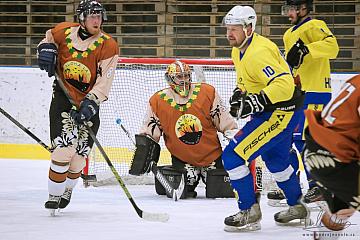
(136, 80)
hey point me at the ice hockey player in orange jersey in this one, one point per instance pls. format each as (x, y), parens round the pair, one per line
(84, 59)
(332, 154)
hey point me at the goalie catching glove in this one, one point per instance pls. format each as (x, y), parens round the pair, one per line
(243, 105)
(147, 151)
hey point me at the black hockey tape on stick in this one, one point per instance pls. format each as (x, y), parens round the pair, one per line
(89, 178)
(155, 217)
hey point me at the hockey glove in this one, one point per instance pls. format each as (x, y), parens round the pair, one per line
(236, 102)
(248, 105)
(295, 56)
(47, 53)
(88, 109)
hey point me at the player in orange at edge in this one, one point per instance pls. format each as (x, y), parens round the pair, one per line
(332, 154)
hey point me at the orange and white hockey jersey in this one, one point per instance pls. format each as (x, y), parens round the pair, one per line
(84, 66)
(189, 125)
(337, 127)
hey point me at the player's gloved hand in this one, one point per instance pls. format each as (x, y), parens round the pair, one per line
(88, 109)
(236, 102)
(248, 105)
(296, 54)
(47, 54)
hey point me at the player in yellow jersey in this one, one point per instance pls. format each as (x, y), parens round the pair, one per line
(309, 45)
(265, 91)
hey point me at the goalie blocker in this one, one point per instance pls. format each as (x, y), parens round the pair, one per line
(217, 183)
(147, 151)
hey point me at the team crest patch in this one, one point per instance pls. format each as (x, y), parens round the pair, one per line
(188, 129)
(77, 74)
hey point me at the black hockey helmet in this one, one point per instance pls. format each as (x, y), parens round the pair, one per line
(309, 3)
(87, 7)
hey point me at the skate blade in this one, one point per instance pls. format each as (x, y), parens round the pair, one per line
(296, 222)
(314, 208)
(247, 228)
(52, 212)
(277, 203)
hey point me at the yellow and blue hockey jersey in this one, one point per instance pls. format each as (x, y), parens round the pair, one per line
(314, 72)
(263, 67)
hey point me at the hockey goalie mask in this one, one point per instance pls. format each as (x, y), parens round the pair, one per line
(178, 76)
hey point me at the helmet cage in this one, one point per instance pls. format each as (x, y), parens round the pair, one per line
(178, 76)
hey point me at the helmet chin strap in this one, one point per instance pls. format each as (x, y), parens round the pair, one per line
(83, 32)
(246, 38)
(300, 18)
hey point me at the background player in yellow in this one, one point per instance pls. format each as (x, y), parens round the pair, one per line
(309, 46)
(265, 91)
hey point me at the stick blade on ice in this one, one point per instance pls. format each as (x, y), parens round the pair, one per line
(155, 217)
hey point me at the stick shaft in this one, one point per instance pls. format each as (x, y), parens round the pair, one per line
(8, 116)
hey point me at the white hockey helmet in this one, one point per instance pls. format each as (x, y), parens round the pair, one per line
(241, 15)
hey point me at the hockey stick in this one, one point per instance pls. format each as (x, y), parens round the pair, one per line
(174, 193)
(8, 116)
(156, 217)
(88, 178)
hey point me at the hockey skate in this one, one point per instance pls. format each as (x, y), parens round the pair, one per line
(245, 220)
(297, 212)
(52, 204)
(276, 199)
(65, 198)
(314, 195)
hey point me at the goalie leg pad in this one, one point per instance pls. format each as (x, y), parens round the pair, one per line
(147, 151)
(174, 177)
(218, 184)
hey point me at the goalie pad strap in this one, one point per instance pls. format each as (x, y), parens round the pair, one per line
(174, 178)
(147, 151)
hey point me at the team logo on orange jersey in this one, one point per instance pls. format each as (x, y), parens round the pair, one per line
(188, 129)
(77, 74)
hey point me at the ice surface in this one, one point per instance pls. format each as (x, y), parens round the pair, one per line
(104, 213)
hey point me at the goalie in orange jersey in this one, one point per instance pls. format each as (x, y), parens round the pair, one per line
(188, 115)
(332, 154)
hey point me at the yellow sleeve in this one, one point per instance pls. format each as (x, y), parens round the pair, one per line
(324, 44)
(272, 69)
